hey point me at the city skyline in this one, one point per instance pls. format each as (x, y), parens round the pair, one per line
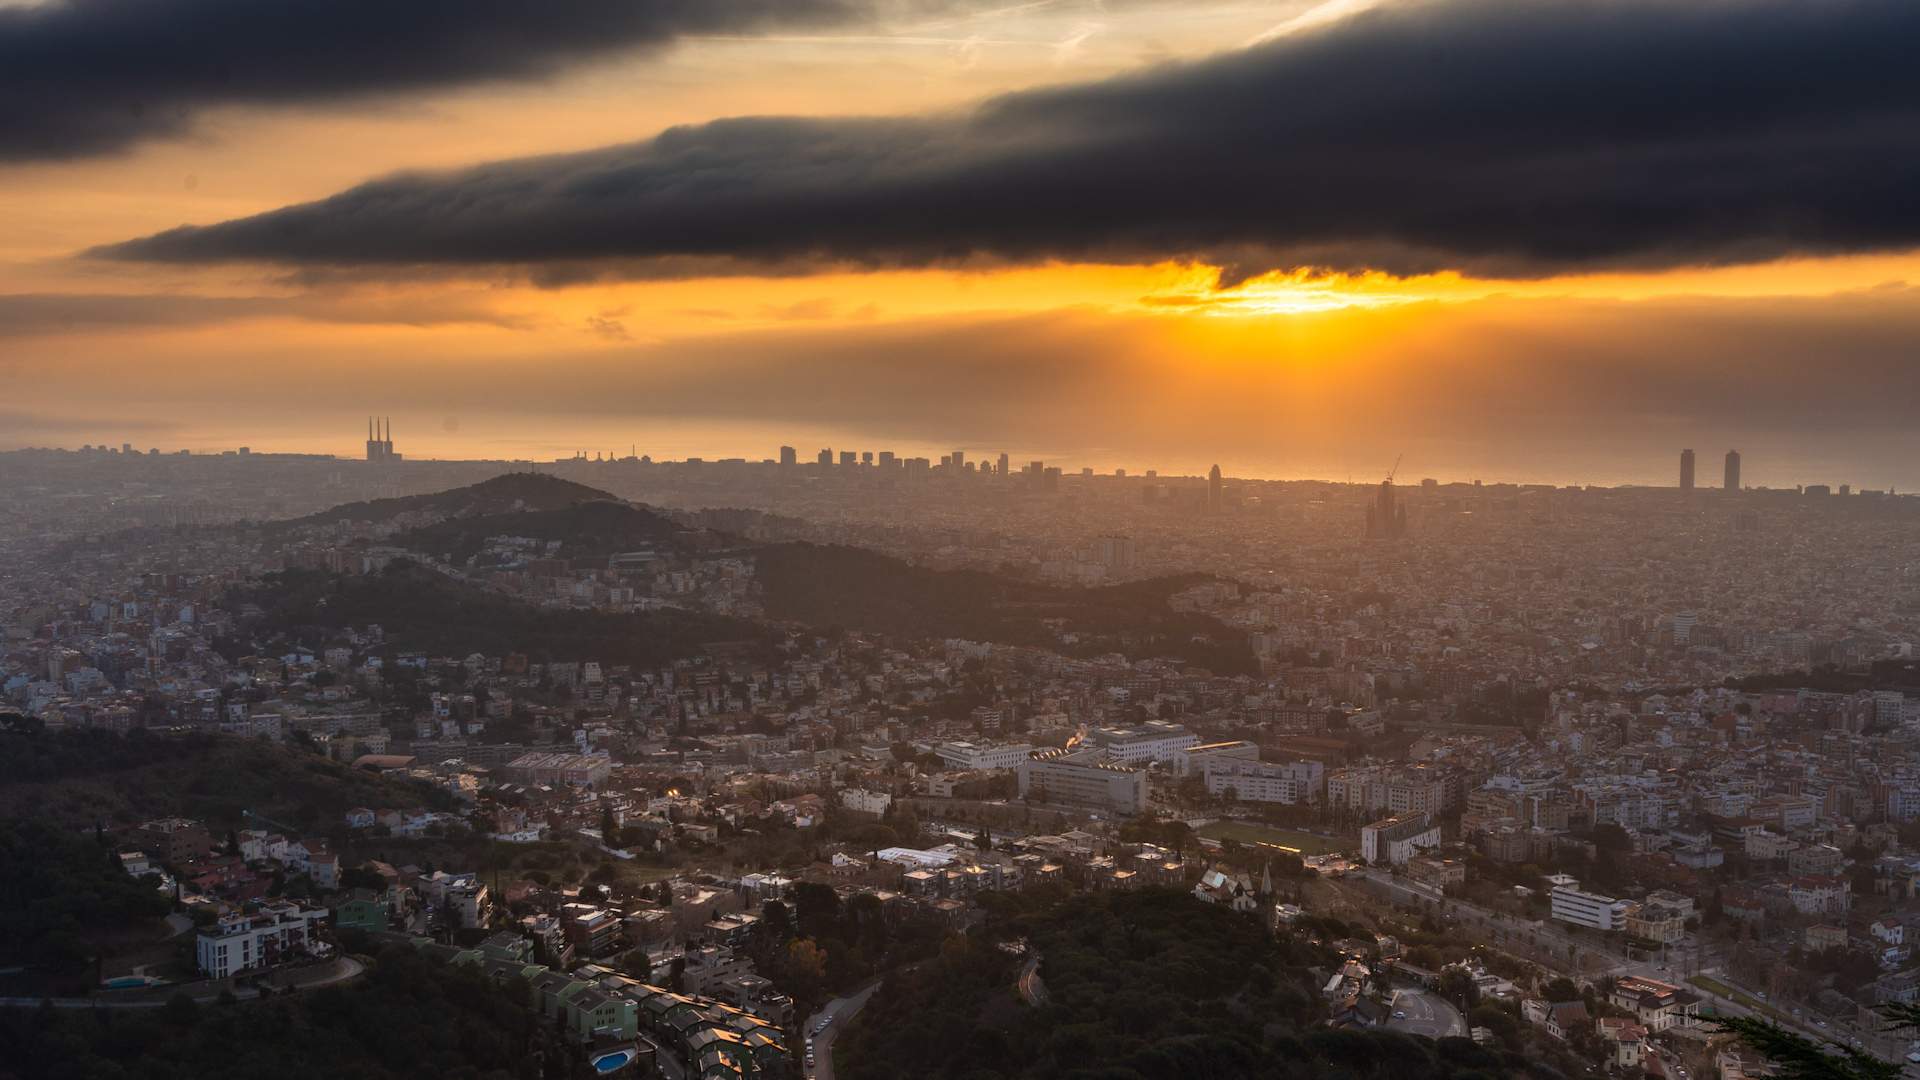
(380, 448)
(216, 269)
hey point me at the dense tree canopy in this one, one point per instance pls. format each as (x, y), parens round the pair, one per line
(407, 1018)
(1138, 986)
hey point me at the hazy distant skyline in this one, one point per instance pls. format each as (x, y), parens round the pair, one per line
(1548, 241)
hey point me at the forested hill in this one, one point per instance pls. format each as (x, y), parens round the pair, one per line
(507, 493)
(586, 530)
(423, 611)
(857, 589)
(1150, 985)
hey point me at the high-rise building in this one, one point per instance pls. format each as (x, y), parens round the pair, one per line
(826, 457)
(1213, 490)
(1733, 470)
(1686, 472)
(1002, 470)
(1386, 518)
(789, 456)
(959, 460)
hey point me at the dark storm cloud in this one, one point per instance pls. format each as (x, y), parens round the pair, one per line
(83, 77)
(37, 314)
(1508, 136)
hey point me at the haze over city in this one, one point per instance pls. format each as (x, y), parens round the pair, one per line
(960, 539)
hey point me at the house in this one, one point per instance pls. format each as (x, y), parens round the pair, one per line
(175, 840)
(1356, 1010)
(1235, 890)
(593, 1013)
(1560, 1018)
(1626, 1041)
(363, 910)
(1657, 1005)
(361, 818)
(1825, 936)
(1436, 872)
(1889, 931)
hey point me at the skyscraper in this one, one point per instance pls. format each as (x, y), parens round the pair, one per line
(1733, 470)
(1386, 518)
(789, 456)
(1686, 472)
(1213, 490)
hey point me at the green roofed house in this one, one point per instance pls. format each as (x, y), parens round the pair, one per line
(594, 1012)
(362, 910)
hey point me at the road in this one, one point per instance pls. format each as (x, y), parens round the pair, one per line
(206, 993)
(1427, 1014)
(1032, 990)
(837, 1012)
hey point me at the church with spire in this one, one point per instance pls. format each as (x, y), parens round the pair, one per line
(380, 441)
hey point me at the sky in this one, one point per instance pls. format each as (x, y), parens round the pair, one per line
(1536, 240)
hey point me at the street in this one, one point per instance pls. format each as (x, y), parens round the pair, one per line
(1428, 1014)
(341, 969)
(1032, 990)
(838, 1012)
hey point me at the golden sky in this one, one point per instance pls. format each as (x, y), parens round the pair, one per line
(1136, 364)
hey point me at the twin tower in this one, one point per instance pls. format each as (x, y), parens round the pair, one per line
(380, 441)
(1731, 481)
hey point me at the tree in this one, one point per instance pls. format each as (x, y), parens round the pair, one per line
(180, 1010)
(1796, 1057)
(609, 828)
(805, 969)
(1458, 987)
(775, 921)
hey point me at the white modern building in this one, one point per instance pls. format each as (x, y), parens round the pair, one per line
(1153, 741)
(1590, 910)
(862, 801)
(966, 755)
(1394, 840)
(270, 936)
(1256, 781)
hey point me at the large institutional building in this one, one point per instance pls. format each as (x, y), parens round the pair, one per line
(1078, 779)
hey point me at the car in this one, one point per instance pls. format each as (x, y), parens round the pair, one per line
(1399, 1014)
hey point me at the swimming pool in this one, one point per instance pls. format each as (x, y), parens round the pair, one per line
(614, 1061)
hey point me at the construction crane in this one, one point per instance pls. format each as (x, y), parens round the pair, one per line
(1396, 467)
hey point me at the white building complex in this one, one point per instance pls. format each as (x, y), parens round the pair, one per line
(1194, 760)
(1255, 781)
